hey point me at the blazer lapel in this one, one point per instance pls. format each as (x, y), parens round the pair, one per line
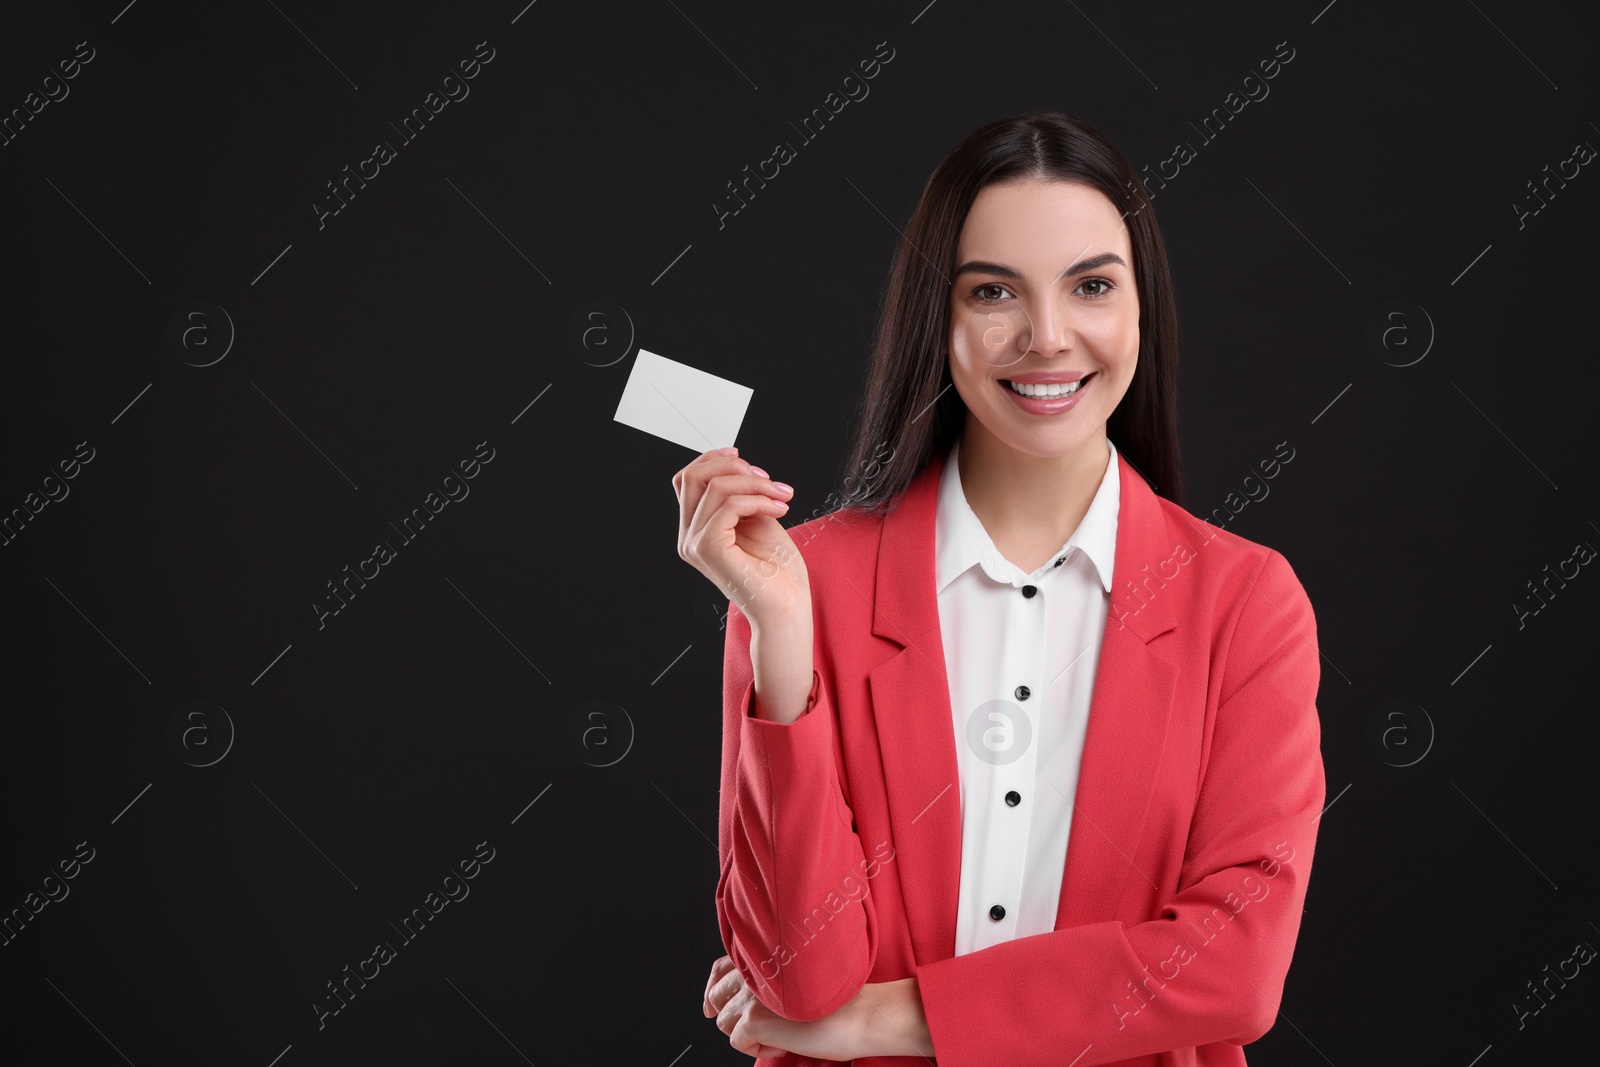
(910, 691)
(911, 708)
(1128, 714)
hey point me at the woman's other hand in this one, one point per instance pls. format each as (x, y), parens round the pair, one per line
(756, 1030)
(721, 992)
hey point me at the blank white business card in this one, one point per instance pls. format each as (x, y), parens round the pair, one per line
(687, 406)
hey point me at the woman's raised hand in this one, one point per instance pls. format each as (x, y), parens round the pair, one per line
(728, 530)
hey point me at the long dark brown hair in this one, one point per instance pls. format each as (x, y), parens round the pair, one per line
(911, 412)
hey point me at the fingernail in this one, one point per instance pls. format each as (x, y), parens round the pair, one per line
(785, 488)
(758, 470)
(731, 450)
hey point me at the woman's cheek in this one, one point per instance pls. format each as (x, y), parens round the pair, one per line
(1119, 340)
(964, 341)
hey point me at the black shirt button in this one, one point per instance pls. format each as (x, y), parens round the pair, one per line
(1029, 590)
(1022, 692)
(997, 913)
(1013, 798)
(1060, 561)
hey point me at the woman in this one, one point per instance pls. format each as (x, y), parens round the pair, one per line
(1020, 759)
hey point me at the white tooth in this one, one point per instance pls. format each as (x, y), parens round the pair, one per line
(1051, 390)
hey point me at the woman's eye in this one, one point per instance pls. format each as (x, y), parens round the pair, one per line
(994, 292)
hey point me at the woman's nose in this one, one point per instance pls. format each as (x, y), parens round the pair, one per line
(1053, 327)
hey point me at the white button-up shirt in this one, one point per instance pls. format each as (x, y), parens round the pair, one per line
(1019, 756)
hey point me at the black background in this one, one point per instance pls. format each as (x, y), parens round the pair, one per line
(375, 752)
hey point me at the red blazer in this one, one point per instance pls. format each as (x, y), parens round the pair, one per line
(1194, 820)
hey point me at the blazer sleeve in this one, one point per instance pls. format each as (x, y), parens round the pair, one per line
(1211, 968)
(792, 900)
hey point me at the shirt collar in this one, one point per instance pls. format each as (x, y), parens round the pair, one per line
(961, 540)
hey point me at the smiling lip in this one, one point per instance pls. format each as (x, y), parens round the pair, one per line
(1048, 377)
(1037, 405)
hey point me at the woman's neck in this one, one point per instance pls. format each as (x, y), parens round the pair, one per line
(1028, 504)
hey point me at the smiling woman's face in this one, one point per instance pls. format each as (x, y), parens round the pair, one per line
(1043, 292)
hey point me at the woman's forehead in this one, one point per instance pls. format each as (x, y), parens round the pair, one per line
(1035, 220)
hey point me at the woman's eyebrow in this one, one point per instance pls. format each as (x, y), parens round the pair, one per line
(1092, 263)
